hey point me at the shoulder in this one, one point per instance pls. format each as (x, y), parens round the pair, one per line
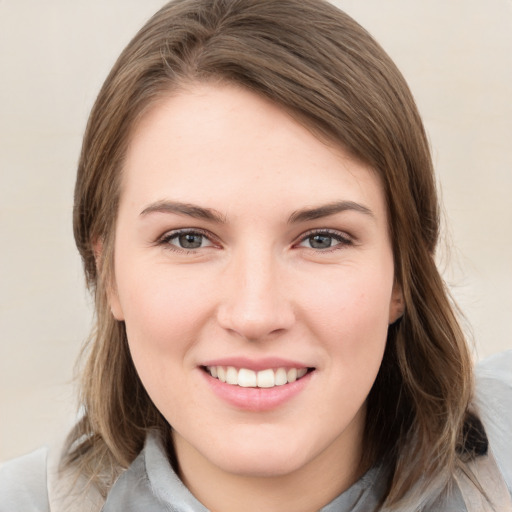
(494, 401)
(23, 486)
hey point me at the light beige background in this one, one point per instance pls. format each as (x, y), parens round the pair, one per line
(54, 55)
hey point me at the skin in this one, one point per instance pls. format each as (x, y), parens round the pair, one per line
(257, 286)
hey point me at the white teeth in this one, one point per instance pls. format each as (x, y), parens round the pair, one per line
(301, 372)
(281, 377)
(246, 378)
(291, 375)
(266, 379)
(231, 375)
(251, 379)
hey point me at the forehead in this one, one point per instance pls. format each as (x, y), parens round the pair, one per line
(213, 143)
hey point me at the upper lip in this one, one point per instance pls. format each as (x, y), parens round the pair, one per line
(256, 364)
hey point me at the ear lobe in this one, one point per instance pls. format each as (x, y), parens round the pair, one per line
(97, 249)
(112, 296)
(115, 304)
(397, 304)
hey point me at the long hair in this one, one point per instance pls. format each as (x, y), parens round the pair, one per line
(313, 60)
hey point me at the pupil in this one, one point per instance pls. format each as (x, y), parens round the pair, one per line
(320, 242)
(190, 241)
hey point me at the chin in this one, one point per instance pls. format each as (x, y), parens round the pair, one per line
(261, 466)
(263, 457)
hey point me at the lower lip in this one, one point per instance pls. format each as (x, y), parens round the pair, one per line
(256, 399)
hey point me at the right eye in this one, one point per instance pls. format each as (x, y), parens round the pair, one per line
(186, 240)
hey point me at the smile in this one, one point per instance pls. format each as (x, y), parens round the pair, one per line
(246, 378)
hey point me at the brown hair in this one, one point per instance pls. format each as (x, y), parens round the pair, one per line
(320, 65)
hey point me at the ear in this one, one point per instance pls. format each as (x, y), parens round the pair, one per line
(112, 295)
(397, 304)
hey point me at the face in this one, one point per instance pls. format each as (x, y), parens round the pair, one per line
(254, 273)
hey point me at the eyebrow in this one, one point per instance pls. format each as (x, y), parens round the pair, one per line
(305, 214)
(188, 209)
(302, 215)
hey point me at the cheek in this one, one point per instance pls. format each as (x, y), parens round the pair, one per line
(163, 313)
(163, 316)
(352, 320)
(354, 333)
(354, 301)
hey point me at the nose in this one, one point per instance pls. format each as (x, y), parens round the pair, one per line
(255, 303)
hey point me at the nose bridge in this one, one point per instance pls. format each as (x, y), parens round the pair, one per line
(255, 301)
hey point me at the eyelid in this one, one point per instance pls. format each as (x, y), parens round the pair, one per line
(344, 238)
(174, 233)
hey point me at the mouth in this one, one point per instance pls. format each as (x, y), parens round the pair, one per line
(266, 378)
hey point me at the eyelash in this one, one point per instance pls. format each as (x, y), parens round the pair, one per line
(172, 235)
(343, 240)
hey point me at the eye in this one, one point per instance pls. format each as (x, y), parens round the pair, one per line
(322, 240)
(187, 240)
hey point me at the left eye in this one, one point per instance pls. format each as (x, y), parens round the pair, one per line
(187, 240)
(323, 241)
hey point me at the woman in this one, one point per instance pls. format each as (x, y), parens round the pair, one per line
(256, 211)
